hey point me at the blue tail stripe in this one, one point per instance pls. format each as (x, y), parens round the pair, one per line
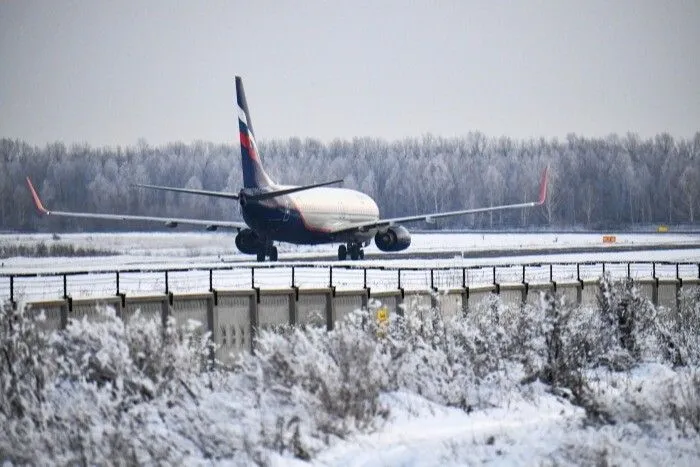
(254, 175)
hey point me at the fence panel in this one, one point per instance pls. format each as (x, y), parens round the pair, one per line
(28, 287)
(232, 326)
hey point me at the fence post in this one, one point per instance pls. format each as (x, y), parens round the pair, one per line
(164, 314)
(118, 291)
(579, 289)
(655, 290)
(252, 277)
(679, 287)
(65, 286)
(330, 276)
(292, 276)
(12, 289)
(496, 284)
(167, 288)
(432, 280)
(211, 283)
(399, 278)
(330, 311)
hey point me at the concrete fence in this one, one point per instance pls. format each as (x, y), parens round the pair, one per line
(234, 316)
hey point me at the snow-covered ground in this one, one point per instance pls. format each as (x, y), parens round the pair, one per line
(530, 428)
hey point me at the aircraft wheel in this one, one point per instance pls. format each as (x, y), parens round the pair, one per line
(261, 256)
(273, 253)
(362, 253)
(342, 252)
(354, 253)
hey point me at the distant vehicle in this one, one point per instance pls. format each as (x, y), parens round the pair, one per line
(309, 214)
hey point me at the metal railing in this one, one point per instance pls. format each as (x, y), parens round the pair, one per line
(75, 284)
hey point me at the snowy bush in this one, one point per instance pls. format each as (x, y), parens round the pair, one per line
(444, 360)
(68, 397)
(25, 362)
(628, 321)
(679, 329)
(684, 402)
(323, 383)
(566, 344)
(140, 359)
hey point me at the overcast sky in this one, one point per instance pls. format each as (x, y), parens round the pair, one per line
(111, 72)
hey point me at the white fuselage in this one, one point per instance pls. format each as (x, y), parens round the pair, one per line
(312, 216)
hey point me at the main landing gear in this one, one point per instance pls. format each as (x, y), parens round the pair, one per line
(353, 249)
(269, 250)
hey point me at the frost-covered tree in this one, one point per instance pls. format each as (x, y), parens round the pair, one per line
(594, 182)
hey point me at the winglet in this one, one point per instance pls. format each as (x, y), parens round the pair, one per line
(543, 187)
(37, 201)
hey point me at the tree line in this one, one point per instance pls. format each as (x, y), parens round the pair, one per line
(612, 182)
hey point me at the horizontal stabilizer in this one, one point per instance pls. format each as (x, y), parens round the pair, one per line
(286, 191)
(216, 194)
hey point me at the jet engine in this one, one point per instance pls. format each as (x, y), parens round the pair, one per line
(393, 239)
(248, 242)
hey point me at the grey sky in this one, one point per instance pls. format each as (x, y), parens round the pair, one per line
(110, 72)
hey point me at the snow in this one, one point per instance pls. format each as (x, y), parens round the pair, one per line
(422, 433)
(538, 428)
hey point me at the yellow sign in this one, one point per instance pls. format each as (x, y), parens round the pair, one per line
(609, 239)
(662, 229)
(382, 321)
(382, 315)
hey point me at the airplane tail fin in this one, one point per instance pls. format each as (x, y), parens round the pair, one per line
(254, 176)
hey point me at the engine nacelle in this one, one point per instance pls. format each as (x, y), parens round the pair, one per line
(248, 242)
(393, 239)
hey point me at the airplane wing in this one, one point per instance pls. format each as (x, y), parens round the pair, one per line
(167, 221)
(364, 226)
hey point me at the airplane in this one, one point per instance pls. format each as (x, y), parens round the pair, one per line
(308, 214)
